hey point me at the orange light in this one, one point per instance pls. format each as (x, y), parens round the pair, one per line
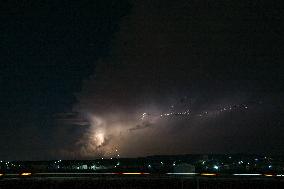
(26, 174)
(1, 174)
(134, 173)
(208, 174)
(268, 175)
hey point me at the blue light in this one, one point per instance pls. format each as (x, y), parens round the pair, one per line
(216, 167)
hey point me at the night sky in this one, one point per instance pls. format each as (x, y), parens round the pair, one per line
(87, 79)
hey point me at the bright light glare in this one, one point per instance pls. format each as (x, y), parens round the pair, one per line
(26, 174)
(216, 167)
(100, 139)
(208, 174)
(246, 174)
(182, 173)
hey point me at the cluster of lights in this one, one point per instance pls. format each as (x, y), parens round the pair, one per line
(201, 114)
(240, 162)
(243, 106)
(10, 164)
(222, 110)
(144, 115)
(58, 161)
(185, 113)
(112, 155)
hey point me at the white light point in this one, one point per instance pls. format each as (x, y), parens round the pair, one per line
(216, 167)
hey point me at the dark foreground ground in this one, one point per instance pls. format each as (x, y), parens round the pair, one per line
(140, 182)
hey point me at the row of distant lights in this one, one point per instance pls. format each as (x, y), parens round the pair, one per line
(142, 173)
(7, 164)
(57, 162)
(149, 166)
(256, 159)
(187, 112)
(239, 162)
(174, 164)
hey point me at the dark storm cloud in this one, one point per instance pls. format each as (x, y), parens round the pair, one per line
(47, 49)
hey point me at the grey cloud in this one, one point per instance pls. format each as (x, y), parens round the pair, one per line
(144, 125)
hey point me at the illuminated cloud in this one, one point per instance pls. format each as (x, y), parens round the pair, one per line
(164, 89)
